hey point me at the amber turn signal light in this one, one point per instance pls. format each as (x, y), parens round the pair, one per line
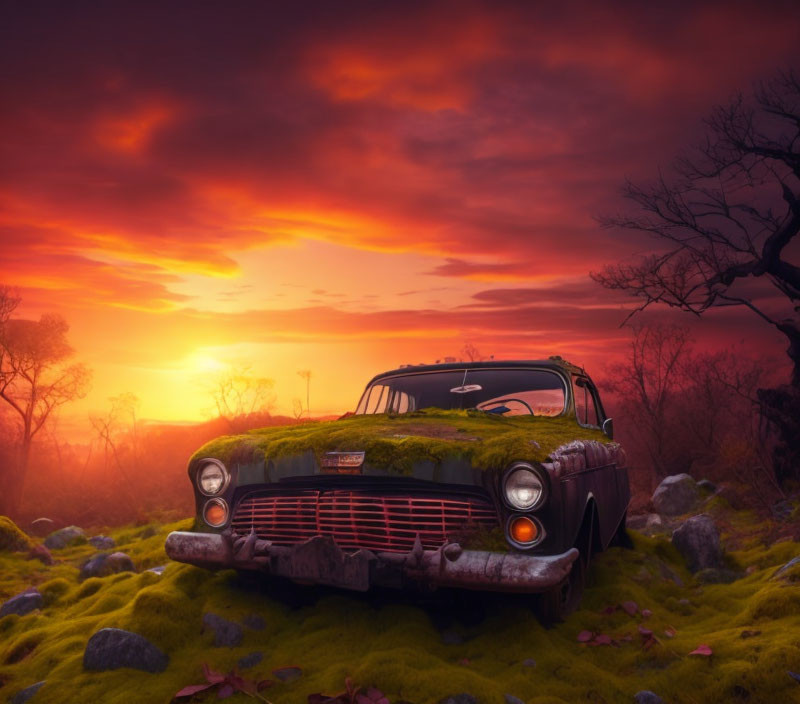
(523, 530)
(215, 512)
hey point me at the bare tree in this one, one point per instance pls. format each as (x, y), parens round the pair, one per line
(647, 382)
(726, 218)
(306, 374)
(471, 353)
(34, 381)
(239, 394)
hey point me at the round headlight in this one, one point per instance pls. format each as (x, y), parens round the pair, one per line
(212, 478)
(523, 488)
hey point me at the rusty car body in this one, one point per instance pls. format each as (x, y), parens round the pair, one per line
(498, 475)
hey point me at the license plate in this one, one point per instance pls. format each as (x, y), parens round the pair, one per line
(342, 462)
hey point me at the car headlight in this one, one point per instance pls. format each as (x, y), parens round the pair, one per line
(212, 477)
(524, 488)
(215, 512)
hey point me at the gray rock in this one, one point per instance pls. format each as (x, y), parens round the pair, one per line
(250, 660)
(511, 699)
(254, 622)
(102, 565)
(288, 674)
(226, 633)
(42, 526)
(697, 539)
(102, 542)
(654, 521)
(636, 522)
(675, 495)
(71, 535)
(25, 694)
(708, 486)
(112, 648)
(647, 697)
(22, 603)
(783, 570)
(462, 698)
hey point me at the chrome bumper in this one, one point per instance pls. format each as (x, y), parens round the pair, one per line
(319, 560)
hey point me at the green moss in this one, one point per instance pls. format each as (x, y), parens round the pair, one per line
(11, 537)
(393, 644)
(397, 442)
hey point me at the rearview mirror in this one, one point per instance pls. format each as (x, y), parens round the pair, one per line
(608, 427)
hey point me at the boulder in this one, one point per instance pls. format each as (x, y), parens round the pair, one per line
(102, 565)
(42, 527)
(25, 694)
(22, 603)
(71, 535)
(112, 648)
(102, 542)
(647, 697)
(41, 553)
(226, 633)
(11, 537)
(697, 539)
(675, 495)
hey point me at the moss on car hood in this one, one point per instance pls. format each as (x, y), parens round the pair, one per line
(397, 442)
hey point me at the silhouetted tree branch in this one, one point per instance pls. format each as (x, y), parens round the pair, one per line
(727, 215)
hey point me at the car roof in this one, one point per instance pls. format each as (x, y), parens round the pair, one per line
(551, 363)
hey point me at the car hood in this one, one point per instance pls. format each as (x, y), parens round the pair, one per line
(429, 444)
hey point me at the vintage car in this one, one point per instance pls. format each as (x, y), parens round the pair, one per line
(498, 475)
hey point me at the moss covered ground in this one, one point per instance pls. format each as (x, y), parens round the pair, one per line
(420, 650)
(399, 441)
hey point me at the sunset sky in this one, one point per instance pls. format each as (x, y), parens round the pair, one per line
(346, 187)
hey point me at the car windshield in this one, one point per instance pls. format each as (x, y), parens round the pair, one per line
(501, 391)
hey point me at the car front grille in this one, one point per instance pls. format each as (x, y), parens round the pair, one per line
(357, 519)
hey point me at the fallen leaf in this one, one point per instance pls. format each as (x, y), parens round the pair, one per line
(645, 632)
(193, 689)
(703, 649)
(749, 634)
(630, 607)
(603, 639)
(584, 636)
(670, 632)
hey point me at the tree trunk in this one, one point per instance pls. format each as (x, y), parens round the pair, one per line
(781, 407)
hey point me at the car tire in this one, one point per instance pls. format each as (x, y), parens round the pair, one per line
(553, 606)
(621, 538)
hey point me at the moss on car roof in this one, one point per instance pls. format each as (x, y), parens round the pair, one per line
(397, 442)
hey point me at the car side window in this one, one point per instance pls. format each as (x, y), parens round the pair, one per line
(378, 398)
(585, 403)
